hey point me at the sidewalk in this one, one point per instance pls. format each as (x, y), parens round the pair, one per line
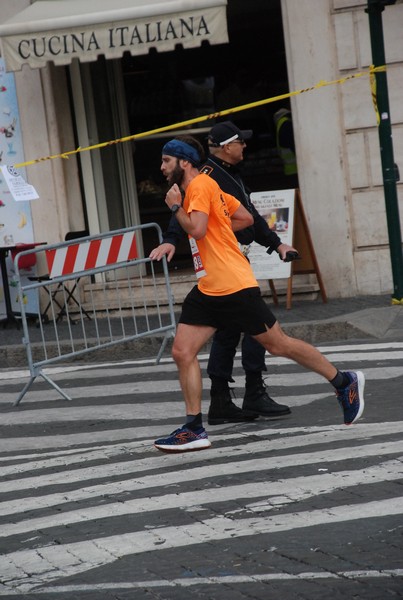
(364, 317)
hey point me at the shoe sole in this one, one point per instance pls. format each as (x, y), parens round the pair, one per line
(233, 420)
(191, 447)
(270, 414)
(361, 386)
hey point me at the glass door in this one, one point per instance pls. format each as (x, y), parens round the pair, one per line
(107, 173)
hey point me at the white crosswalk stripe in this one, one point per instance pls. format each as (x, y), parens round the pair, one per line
(83, 487)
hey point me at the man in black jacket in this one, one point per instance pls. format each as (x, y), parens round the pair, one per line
(226, 145)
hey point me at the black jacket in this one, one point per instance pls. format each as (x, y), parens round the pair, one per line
(228, 178)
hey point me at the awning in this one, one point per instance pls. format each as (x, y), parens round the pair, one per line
(60, 30)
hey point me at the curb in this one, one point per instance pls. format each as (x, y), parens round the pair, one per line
(313, 332)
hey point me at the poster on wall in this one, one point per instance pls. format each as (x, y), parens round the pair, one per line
(277, 208)
(15, 216)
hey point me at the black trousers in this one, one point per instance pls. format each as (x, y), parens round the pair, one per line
(223, 350)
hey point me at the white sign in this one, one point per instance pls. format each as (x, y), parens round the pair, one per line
(135, 27)
(277, 208)
(19, 188)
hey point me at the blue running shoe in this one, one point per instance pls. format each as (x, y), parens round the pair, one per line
(351, 398)
(183, 440)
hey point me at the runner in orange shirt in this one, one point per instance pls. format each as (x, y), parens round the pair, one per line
(227, 294)
(223, 273)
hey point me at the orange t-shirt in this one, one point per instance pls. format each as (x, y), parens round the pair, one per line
(219, 264)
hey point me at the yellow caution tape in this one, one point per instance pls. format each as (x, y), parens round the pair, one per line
(371, 71)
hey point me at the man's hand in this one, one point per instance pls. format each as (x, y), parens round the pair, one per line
(165, 249)
(173, 196)
(283, 249)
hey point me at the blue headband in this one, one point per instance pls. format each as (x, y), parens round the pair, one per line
(182, 150)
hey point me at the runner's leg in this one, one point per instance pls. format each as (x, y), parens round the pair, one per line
(279, 344)
(189, 340)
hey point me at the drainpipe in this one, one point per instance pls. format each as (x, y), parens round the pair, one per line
(389, 168)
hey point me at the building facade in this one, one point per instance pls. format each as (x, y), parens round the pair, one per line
(90, 90)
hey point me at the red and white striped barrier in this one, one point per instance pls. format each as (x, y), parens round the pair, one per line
(124, 305)
(84, 256)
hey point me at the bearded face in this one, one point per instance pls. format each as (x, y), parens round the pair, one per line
(176, 175)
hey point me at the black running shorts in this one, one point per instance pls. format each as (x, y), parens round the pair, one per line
(243, 311)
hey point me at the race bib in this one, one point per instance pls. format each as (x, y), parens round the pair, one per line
(197, 261)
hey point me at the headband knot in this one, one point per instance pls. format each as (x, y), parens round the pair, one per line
(183, 150)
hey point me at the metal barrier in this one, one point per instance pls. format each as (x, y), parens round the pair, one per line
(121, 302)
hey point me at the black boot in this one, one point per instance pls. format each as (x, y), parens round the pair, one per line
(223, 410)
(257, 400)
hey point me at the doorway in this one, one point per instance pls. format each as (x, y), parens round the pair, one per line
(163, 89)
(107, 173)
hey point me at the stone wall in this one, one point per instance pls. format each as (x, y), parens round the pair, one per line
(337, 138)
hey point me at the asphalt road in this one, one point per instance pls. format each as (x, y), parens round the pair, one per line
(296, 508)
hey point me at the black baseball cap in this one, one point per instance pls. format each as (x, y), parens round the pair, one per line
(226, 132)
